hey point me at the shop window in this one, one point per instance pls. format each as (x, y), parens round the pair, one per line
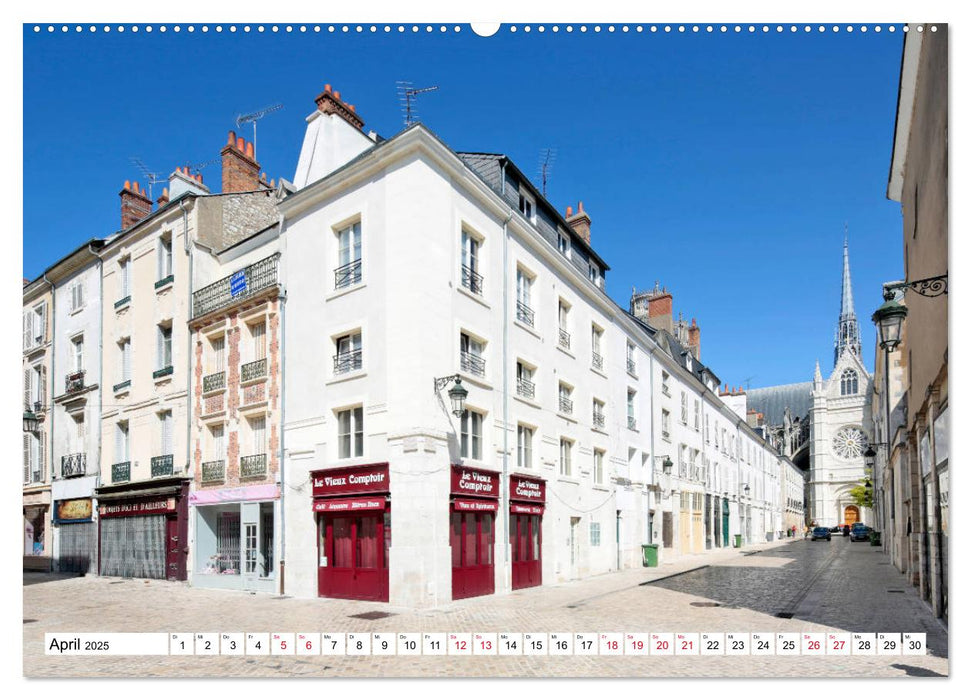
(227, 542)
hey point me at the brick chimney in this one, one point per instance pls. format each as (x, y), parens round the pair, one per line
(241, 172)
(135, 204)
(660, 308)
(164, 199)
(694, 339)
(330, 102)
(579, 222)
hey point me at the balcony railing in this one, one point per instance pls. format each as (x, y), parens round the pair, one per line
(164, 281)
(214, 381)
(566, 405)
(564, 339)
(525, 388)
(345, 362)
(252, 466)
(598, 360)
(162, 465)
(122, 385)
(346, 275)
(74, 381)
(121, 471)
(632, 422)
(524, 314)
(631, 366)
(253, 370)
(471, 280)
(598, 419)
(163, 371)
(74, 465)
(473, 364)
(213, 471)
(123, 301)
(239, 285)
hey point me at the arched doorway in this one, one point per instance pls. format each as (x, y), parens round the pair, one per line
(851, 514)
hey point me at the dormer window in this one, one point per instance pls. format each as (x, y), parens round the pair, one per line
(594, 275)
(563, 244)
(527, 206)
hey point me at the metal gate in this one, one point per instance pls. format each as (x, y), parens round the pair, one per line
(77, 547)
(133, 547)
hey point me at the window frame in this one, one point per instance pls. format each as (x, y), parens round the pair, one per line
(470, 441)
(354, 434)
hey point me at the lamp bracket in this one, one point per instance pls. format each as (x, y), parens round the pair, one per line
(442, 382)
(927, 287)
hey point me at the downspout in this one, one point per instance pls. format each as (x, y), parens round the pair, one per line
(50, 412)
(101, 362)
(283, 412)
(650, 529)
(504, 488)
(188, 342)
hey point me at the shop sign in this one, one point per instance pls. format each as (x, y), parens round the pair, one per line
(73, 510)
(524, 488)
(133, 508)
(520, 509)
(469, 504)
(371, 478)
(336, 505)
(467, 481)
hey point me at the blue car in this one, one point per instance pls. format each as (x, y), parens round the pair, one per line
(859, 533)
(821, 533)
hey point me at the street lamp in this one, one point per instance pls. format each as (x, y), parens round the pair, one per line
(457, 394)
(666, 463)
(869, 456)
(889, 319)
(30, 421)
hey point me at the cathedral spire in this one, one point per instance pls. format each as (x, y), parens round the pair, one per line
(847, 329)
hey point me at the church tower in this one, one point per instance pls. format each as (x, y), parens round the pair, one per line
(847, 330)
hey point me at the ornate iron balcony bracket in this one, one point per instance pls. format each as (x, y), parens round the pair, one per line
(927, 287)
(442, 382)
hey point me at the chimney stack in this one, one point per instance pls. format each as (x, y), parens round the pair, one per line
(330, 102)
(694, 339)
(660, 308)
(241, 172)
(579, 222)
(164, 199)
(135, 204)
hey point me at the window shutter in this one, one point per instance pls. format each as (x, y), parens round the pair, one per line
(27, 464)
(126, 360)
(119, 446)
(167, 433)
(28, 378)
(41, 455)
(42, 331)
(159, 260)
(159, 351)
(43, 385)
(28, 329)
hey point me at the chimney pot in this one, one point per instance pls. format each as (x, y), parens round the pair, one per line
(249, 150)
(327, 87)
(337, 94)
(351, 107)
(579, 206)
(232, 138)
(569, 211)
(240, 144)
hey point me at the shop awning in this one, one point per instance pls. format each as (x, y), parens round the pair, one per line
(334, 505)
(475, 505)
(523, 509)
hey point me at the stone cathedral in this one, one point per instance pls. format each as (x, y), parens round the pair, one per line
(823, 424)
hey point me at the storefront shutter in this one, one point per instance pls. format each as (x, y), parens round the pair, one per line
(27, 464)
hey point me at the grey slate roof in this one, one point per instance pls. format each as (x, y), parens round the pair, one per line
(773, 401)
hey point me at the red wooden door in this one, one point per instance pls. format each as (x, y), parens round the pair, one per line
(472, 538)
(354, 557)
(526, 547)
(174, 550)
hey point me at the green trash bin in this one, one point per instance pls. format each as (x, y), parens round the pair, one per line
(738, 541)
(874, 538)
(650, 554)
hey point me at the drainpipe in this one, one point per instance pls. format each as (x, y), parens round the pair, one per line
(50, 409)
(653, 461)
(283, 408)
(101, 354)
(188, 342)
(504, 488)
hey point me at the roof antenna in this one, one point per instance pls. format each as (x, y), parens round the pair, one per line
(149, 175)
(197, 167)
(546, 158)
(255, 117)
(406, 96)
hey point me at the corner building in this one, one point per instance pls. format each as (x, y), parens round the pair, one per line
(405, 263)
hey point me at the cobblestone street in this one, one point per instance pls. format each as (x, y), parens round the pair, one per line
(825, 586)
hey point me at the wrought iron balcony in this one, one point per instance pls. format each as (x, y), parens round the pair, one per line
(473, 364)
(597, 360)
(631, 366)
(632, 422)
(524, 314)
(163, 372)
(120, 471)
(214, 471)
(564, 339)
(122, 385)
(74, 381)
(346, 275)
(164, 281)
(525, 388)
(162, 465)
(345, 362)
(598, 419)
(566, 405)
(253, 370)
(240, 285)
(214, 381)
(74, 465)
(471, 280)
(123, 301)
(252, 466)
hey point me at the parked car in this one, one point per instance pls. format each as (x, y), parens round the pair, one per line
(859, 533)
(846, 531)
(821, 533)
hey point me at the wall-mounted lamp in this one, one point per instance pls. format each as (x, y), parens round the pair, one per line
(457, 394)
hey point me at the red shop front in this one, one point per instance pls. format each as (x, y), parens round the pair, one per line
(472, 524)
(354, 531)
(527, 498)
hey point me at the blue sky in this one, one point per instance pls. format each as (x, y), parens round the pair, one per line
(724, 166)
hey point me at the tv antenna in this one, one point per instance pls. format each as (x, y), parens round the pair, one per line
(546, 158)
(197, 167)
(255, 117)
(748, 381)
(406, 95)
(152, 178)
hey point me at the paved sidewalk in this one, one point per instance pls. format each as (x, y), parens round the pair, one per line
(638, 600)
